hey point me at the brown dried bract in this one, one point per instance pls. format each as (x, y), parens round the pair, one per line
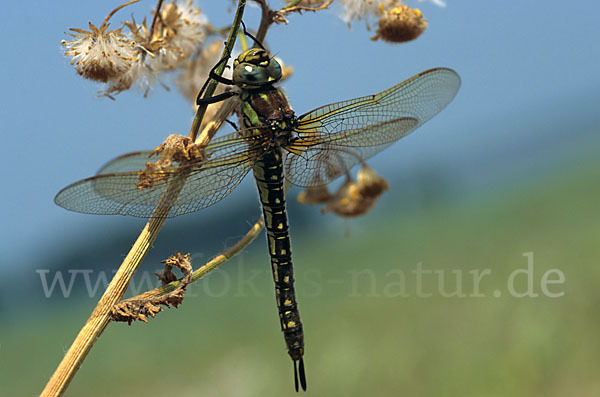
(353, 198)
(176, 148)
(278, 16)
(356, 198)
(315, 195)
(140, 309)
(180, 261)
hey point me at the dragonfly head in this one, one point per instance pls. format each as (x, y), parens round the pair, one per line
(254, 68)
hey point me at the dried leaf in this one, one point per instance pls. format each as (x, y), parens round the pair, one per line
(140, 309)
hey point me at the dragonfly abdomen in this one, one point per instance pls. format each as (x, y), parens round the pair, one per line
(269, 179)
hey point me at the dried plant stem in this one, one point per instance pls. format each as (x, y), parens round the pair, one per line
(212, 86)
(100, 317)
(270, 16)
(293, 6)
(225, 109)
(208, 266)
(113, 12)
(154, 19)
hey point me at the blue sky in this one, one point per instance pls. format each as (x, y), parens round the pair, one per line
(532, 64)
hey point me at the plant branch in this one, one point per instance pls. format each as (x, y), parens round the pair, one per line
(154, 19)
(294, 7)
(207, 267)
(270, 16)
(113, 12)
(212, 86)
(100, 317)
(225, 109)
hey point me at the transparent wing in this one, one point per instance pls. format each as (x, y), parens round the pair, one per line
(334, 138)
(135, 161)
(321, 163)
(114, 191)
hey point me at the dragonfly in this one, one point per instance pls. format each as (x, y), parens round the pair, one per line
(278, 147)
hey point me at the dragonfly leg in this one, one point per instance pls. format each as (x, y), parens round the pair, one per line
(256, 41)
(213, 75)
(223, 80)
(231, 123)
(216, 98)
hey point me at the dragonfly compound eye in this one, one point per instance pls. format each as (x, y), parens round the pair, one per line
(249, 75)
(274, 69)
(254, 68)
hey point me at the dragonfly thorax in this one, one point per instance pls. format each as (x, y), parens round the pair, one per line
(283, 131)
(254, 69)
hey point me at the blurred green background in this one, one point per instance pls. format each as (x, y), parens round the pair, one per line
(510, 168)
(365, 335)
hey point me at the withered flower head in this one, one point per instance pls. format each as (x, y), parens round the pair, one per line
(179, 31)
(370, 184)
(399, 24)
(356, 198)
(100, 54)
(359, 9)
(176, 148)
(314, 195)
(143, 306)
(180, 28)
(110, 56)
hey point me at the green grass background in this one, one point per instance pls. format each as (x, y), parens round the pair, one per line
(225, 340)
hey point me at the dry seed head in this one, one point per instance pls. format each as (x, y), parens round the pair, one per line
(109, 56)
(356, 198)
(399, 24)
(314, 195)
(370, 184)
(180, 30)
(175, 148)
(142, 306)
(100, 54)
(361, 9)
(138, 72)
(346, 202)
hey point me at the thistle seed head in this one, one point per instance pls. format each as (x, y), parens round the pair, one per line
(400, 24)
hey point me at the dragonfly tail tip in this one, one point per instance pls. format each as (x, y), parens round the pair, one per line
(302, 374)
(299, 374)
(296, 376)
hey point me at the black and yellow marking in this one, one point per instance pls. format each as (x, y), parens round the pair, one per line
(269, 179)
(262, 107)
(321, 145)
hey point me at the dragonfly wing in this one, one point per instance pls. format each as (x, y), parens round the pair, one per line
(118, 194)
(334, 138)
(136, 161)
(318, 164)
(207, 182)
